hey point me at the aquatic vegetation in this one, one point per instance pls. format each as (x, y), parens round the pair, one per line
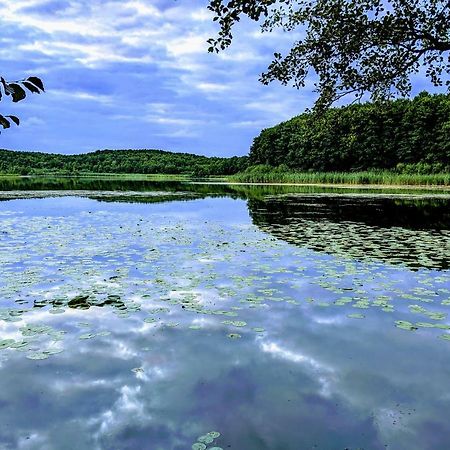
(235, 323)
(234, 335)
(87, 336)
(143, 302)
(38, 355)
(405, 325)
(198, 446)
(206, 439)
(150, 320)
(402, 233)
(5, 343)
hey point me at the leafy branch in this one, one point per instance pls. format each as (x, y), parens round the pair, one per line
(18, 90)
(352, 46)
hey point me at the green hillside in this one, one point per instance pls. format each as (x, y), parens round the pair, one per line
(118, 161)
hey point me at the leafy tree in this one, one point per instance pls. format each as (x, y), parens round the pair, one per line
(354, 46)
(407, 134)
(17, 90)
(119, 161)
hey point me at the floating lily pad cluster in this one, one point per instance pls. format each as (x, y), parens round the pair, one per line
(205, 441)
(393, 245)
(161, 273)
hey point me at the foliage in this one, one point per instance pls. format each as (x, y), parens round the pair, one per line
(269, 174)
(119, 161)
(360, 137)
(353, 46)
(17, 90)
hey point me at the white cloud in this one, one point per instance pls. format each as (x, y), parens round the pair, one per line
(80, 95)
(187, 45)
(201, 15)
(249, 124)
(212, 87)
(33, 121)
(137, 57)
(172, 120)
(325, 374)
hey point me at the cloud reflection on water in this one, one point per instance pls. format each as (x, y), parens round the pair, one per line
(313, 377)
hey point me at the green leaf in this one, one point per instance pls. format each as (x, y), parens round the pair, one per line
(31, 87)
(18, 93)
(4, 122)
(15, 119)
(37, 82)
(6, 87)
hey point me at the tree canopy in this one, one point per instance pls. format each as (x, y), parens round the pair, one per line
(353, 46)
(17, 90)
(119, 161)
(366, 136)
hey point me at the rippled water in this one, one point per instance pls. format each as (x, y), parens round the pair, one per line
(177, 316)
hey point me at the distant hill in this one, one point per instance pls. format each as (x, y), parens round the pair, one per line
(119, 161)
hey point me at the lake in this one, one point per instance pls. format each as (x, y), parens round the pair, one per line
(175, 315)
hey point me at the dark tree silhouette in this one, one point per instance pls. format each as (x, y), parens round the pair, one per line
(354, 47)
(17, 90)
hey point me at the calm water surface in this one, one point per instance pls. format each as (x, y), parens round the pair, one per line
(147, 315)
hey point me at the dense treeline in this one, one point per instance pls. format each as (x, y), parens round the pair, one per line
(119, 161)
(402, 135)
(408, 137)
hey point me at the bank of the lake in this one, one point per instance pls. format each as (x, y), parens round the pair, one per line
(360, 180)
(168, 315)
(266, 174)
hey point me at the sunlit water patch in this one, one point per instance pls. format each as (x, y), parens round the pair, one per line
(185, 324)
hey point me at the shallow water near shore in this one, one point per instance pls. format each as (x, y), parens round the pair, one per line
(171, 316)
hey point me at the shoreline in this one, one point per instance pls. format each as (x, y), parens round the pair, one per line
(336, 185)
(229, 180)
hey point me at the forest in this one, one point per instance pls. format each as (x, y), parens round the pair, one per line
(401, 136)
(393, 135)
(118, 161)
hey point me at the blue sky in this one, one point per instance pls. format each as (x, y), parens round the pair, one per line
(136, 74)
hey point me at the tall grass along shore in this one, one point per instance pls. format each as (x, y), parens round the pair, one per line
(267, 174)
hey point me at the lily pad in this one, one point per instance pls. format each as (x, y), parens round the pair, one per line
(5, 343)
(235, 323)
(234, 336)
(198, 446)
(38, 355)
(205, 439)
(404, 325)
(213, 434)
(87, 336)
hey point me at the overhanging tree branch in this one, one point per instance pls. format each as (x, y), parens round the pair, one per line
(17, 90)
(352, 46)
